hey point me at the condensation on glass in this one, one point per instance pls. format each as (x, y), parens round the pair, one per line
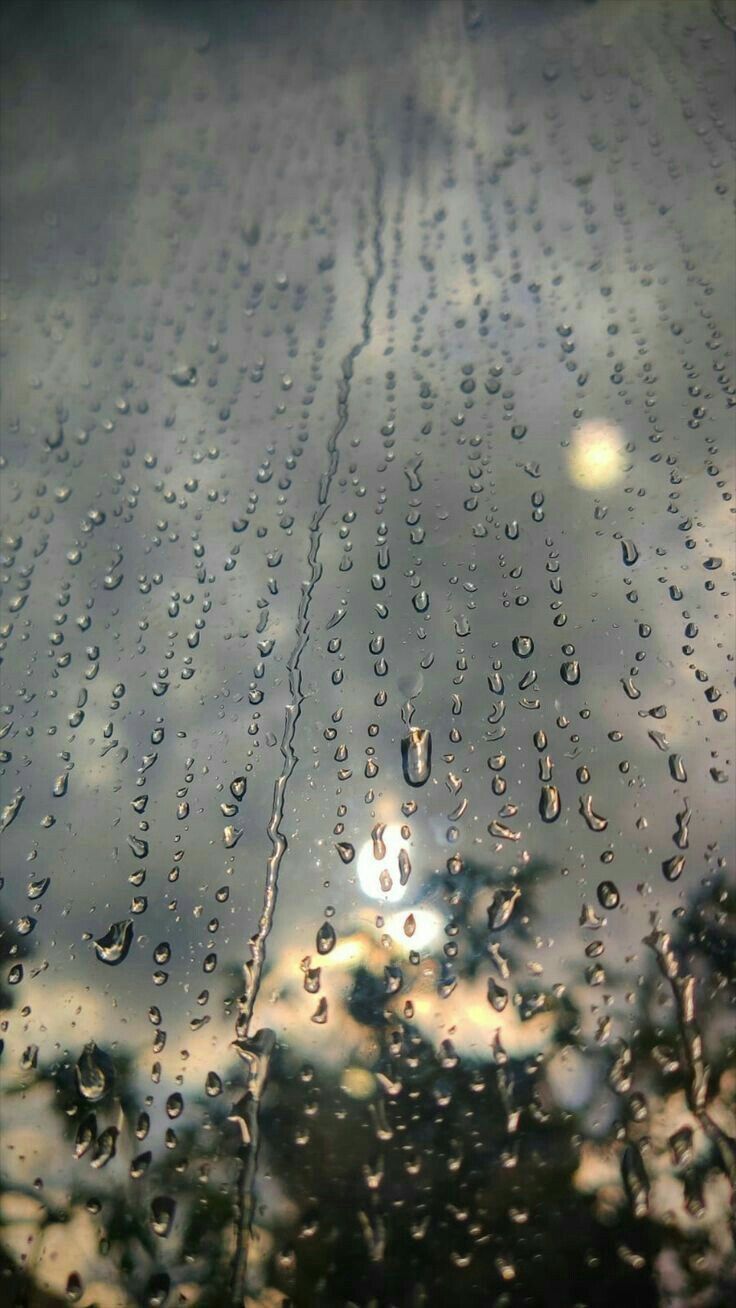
(367, 636)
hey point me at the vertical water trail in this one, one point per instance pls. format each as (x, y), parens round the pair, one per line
(693, 1061)
(256, 1050)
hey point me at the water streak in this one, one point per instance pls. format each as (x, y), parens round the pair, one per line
(256, 1051)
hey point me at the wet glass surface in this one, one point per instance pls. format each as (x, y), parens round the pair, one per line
(367, 625)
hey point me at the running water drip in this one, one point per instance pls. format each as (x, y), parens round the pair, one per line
(696, 1069)
(256, 1051)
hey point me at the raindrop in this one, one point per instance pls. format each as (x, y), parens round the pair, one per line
(417, 756)
(501, 908)
(608, 895)
(549, 803)
(523, 646)
(113, 946)
(594, 821)
(94, 1073)
(163, 1209)
(326, 938)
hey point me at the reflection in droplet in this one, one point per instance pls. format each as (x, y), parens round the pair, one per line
(163, 1209)
(113, 946)
(549, 803)
(94, 1073)
(416, 750)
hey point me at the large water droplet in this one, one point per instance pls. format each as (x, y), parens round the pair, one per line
(417, 756)
(112, 948)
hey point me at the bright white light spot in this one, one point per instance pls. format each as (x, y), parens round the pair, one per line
(379, 878)
(596, 456)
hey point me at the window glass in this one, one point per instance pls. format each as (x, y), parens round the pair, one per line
(367, 636)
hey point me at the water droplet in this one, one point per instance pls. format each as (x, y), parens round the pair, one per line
(677, 768)
(94, 1073)
(570, 672)
(417, 756)
(184, 375)
(673, 867)
(523, 646)
(11, 811)
(325, 940)
(593, 820)
(608, 895)
(163, 1210)
(501, 907)
(549, 803)
(113, 946)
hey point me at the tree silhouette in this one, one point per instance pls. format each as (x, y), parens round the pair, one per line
(445, 1176)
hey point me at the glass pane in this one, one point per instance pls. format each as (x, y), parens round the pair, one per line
(367, 709)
